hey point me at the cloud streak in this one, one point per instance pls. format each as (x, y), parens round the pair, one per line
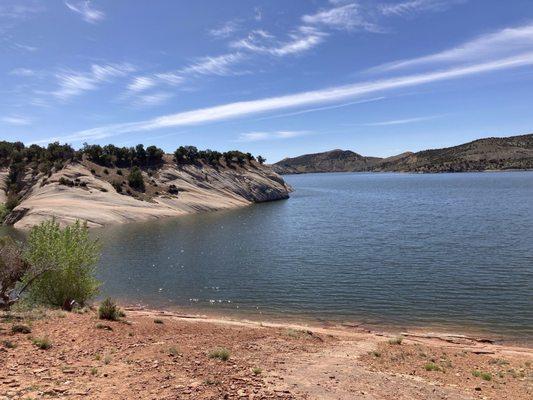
(402, 121)
(300, 40)
(226, 30)
(83, 8)
(413, 7)
(489, 46)
(347, 17)
(221, 65)
(324, 96)
(324, 108)
(74, 83)
(257, 136)
(16, 120)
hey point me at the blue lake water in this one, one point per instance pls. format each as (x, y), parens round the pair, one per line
(446, 250)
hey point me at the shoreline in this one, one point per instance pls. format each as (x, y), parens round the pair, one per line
(408, 172)
(443, 330)
(323, 325)
(159, 354)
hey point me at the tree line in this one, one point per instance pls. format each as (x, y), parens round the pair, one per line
(55, 154)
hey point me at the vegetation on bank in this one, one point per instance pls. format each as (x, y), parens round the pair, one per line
(16, 155)
(56, 267)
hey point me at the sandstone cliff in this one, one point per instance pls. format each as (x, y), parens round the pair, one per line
(90, 192)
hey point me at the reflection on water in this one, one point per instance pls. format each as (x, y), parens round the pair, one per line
(404, 249)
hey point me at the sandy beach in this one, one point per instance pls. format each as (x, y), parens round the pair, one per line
(167, 355)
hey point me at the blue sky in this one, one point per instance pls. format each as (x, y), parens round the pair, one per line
(278, 78)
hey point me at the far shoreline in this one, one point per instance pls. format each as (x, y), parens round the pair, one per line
(407, 172)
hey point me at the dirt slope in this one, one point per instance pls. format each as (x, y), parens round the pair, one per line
(156, 355)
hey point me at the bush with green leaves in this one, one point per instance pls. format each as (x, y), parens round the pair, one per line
(13, 267)
(3, 212)
(135, 179)
(64, 260)
(108, 310)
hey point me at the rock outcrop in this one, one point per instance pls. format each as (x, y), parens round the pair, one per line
(78, 191)
(3, 186)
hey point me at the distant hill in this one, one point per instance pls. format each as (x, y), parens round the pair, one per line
(515, 152)
(330, 161)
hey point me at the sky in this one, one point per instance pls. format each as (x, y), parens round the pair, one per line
(276, 78)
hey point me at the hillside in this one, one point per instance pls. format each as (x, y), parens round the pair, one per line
(78, 188)
(515, 152)
(330, 161)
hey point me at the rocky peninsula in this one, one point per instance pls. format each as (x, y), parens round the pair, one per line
(102, 191)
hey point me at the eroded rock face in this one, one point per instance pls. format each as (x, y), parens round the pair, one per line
(3, 177)
(76, 193)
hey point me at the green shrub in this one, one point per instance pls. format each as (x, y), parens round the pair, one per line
(9, 345)
(220, 353)
(42, 343)
(66, 260)
(12, 201)
(483, 375)
(397, 340)
(173, 351)
(109, 310)
(135, 179)
(18, 328)
(3, 212)
(118, 186)
(104, 327)
(158, 321)
(432, 367)
(13, 267)
(257, 371)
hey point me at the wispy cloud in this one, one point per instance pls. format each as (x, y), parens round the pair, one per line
(151, 99)
(493, 45)
(141, 83)
(22, 72)
(413, 7)
(324, 96)
(225, 30)
(260, 136)
(19, 11)
(324, 108)
(300, 40)
(402, 121)
(73, 83)
(16, 120)
(222, 65)
(219, 65)
(346, 17)
(22, 46)
(87, 12)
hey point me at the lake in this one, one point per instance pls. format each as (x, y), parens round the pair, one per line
(437, 250)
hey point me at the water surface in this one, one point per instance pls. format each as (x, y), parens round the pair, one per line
(452, 250)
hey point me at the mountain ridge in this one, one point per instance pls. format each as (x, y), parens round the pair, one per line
(492, 153)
